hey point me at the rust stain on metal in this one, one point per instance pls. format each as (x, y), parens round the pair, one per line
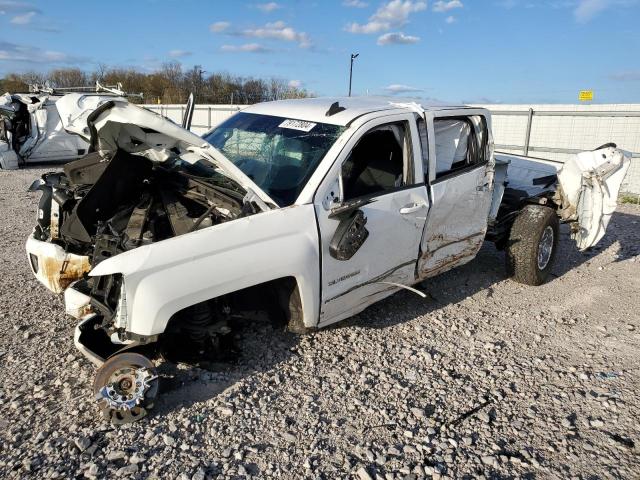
(57, 275)
(469, 247)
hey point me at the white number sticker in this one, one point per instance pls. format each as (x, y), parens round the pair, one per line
(298, 125)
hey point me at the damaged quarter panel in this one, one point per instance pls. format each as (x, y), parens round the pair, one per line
(163, 278)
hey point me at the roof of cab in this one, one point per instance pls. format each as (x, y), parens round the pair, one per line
(316, 109)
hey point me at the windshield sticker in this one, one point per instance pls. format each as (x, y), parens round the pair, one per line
(298, 125)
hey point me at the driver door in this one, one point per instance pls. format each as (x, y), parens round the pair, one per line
(374, 191)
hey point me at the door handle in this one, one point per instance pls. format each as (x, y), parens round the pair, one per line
(412, 208)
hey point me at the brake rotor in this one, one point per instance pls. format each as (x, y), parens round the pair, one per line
(125, 387)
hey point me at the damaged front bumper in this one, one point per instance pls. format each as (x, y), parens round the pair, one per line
(59, 271)
(53, 267)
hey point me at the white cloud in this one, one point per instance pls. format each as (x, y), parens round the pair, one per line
(10, 6)
(247, 47)
(441, 6)
(393, 14)
(396, 88)
(397, 38)
(268, 7)
(355, 3)
(450, 19)
(177, 53)
(278, 31)
(218, 27)
(28, 54)
(628, 76)
(295, 83)
(24, 19)
(583, 10)
(588, 9)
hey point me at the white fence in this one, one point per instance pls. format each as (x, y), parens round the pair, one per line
(553, 132)
(205, 117)
(556, 132)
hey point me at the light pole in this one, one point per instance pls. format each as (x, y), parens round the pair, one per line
(200, 80)
(353, 57)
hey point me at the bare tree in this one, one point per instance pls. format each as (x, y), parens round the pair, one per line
(169, 84)
(67, 77)
(13, 83)
(172, 73)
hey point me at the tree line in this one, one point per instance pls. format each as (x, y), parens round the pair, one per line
(169, 84)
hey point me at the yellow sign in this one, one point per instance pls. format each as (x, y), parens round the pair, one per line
(585, 95)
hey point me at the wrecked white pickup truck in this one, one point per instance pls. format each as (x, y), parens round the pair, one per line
(46, 125)
(309, 210)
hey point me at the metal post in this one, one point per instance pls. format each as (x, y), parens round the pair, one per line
(353, 57)
(528, 133)
(209, 117)
(231, 98)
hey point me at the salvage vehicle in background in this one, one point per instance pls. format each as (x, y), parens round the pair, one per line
(45, 125)
(309, 210)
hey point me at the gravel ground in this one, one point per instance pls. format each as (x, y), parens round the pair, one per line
(484, 379)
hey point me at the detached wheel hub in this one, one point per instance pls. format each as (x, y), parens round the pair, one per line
(125, 387)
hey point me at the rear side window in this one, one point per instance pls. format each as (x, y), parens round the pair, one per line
(460, 144)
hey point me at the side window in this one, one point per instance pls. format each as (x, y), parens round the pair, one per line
(459, 143)
(379, 162)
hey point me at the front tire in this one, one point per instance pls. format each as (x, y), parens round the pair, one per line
(532, 245)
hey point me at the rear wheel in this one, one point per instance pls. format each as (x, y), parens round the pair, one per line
(532, 245)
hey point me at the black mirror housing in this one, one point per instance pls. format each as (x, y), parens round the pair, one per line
(349, 236)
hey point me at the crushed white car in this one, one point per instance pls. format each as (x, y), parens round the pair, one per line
(310, 210)
(46, 125)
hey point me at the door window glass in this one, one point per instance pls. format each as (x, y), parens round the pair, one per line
(377, 163)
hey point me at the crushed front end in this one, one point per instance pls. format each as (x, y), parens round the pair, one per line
(143, 183)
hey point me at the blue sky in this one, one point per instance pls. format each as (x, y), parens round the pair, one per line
(507, 51)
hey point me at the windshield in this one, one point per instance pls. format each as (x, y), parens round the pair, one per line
(277, 153)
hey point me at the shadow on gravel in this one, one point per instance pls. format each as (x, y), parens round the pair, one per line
(627, 235)
(261, 346)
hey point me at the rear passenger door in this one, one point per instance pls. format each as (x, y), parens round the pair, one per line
(460, 177)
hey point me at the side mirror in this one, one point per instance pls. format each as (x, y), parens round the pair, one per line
(349, 236)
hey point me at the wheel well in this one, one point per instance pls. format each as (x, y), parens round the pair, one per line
(279, 299)
(510, 208)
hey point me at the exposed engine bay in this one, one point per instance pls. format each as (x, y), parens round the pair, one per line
(99, 208)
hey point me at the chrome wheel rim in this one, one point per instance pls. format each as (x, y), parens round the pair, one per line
(545, 248)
